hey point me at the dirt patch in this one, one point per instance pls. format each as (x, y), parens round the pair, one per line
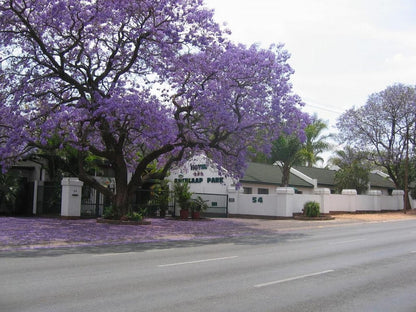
(320, 218)
(383, 216)
(340, 219)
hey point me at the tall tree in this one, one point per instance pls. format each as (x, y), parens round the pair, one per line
(134, 83)
(316, 142)
(285, 151)
(386, 127)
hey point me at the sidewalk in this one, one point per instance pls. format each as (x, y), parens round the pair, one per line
(41, 233)
(340, 219)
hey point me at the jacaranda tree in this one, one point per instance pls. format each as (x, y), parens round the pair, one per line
(385, 127)
(135, 83)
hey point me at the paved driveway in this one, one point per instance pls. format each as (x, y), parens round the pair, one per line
(38, 233)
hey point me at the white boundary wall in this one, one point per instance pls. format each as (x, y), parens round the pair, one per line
(285, 202)
(203, 176)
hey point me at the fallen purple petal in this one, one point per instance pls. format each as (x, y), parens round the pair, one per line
(37, 233)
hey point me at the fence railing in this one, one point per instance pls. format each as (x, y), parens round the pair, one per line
(49, 199)
(93, 203)
(217, 204)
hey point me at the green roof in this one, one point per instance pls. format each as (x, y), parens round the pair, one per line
(377, 180)
(324, 176)
(270, 174)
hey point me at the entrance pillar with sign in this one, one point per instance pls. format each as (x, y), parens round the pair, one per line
(71, 197)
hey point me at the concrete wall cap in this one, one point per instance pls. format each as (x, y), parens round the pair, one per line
(322, 191)
(285, 190)
(71, 181)
(349, 192)
(375, 193)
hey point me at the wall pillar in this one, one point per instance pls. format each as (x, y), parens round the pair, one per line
(285, 201)
(351, 198)
(399, 198)
(232, 200)
(324, 198)
(71, 197)
(376, 195)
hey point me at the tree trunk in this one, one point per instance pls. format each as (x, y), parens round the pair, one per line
(121, 198)
(120, 204)
(285, 175)
(407, 205)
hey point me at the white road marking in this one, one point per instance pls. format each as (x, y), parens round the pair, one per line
(347, 241)
(114, 254)
(196, 261)
(293, 278)
(157, 250)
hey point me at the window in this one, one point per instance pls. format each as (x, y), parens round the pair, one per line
(247, 190)
(262, 191)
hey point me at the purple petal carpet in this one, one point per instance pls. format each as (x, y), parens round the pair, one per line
(36, 233)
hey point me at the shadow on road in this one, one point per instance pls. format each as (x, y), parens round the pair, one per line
(145, 246)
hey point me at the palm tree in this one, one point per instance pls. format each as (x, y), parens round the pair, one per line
(286, 151)
(315, 143)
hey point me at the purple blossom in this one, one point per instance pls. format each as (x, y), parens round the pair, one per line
(385, 128)
(34, 233)
(136, 83)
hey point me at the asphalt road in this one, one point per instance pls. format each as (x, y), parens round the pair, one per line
(356, 267)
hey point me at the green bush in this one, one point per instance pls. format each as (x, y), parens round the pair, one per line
(130, 216)
(135, 216)
(311, 209)
(162, 195)
(182, 195)
(109, 213)
(198, 204)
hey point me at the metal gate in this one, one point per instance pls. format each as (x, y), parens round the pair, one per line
(49, 199)
(217, 204)
(92, 202)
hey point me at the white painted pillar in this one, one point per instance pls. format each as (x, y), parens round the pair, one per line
(376, 195)
(285, 201)
(324, 198)
(351, 198)
(232, 200)
(71, 197)
(399, 197)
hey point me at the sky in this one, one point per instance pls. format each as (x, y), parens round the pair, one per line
(341, 50)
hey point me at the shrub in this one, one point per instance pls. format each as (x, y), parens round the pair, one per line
(162, 195)
(311, 209)
(109, 213)
(135, 216)
(182, 195)
(198, 204)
